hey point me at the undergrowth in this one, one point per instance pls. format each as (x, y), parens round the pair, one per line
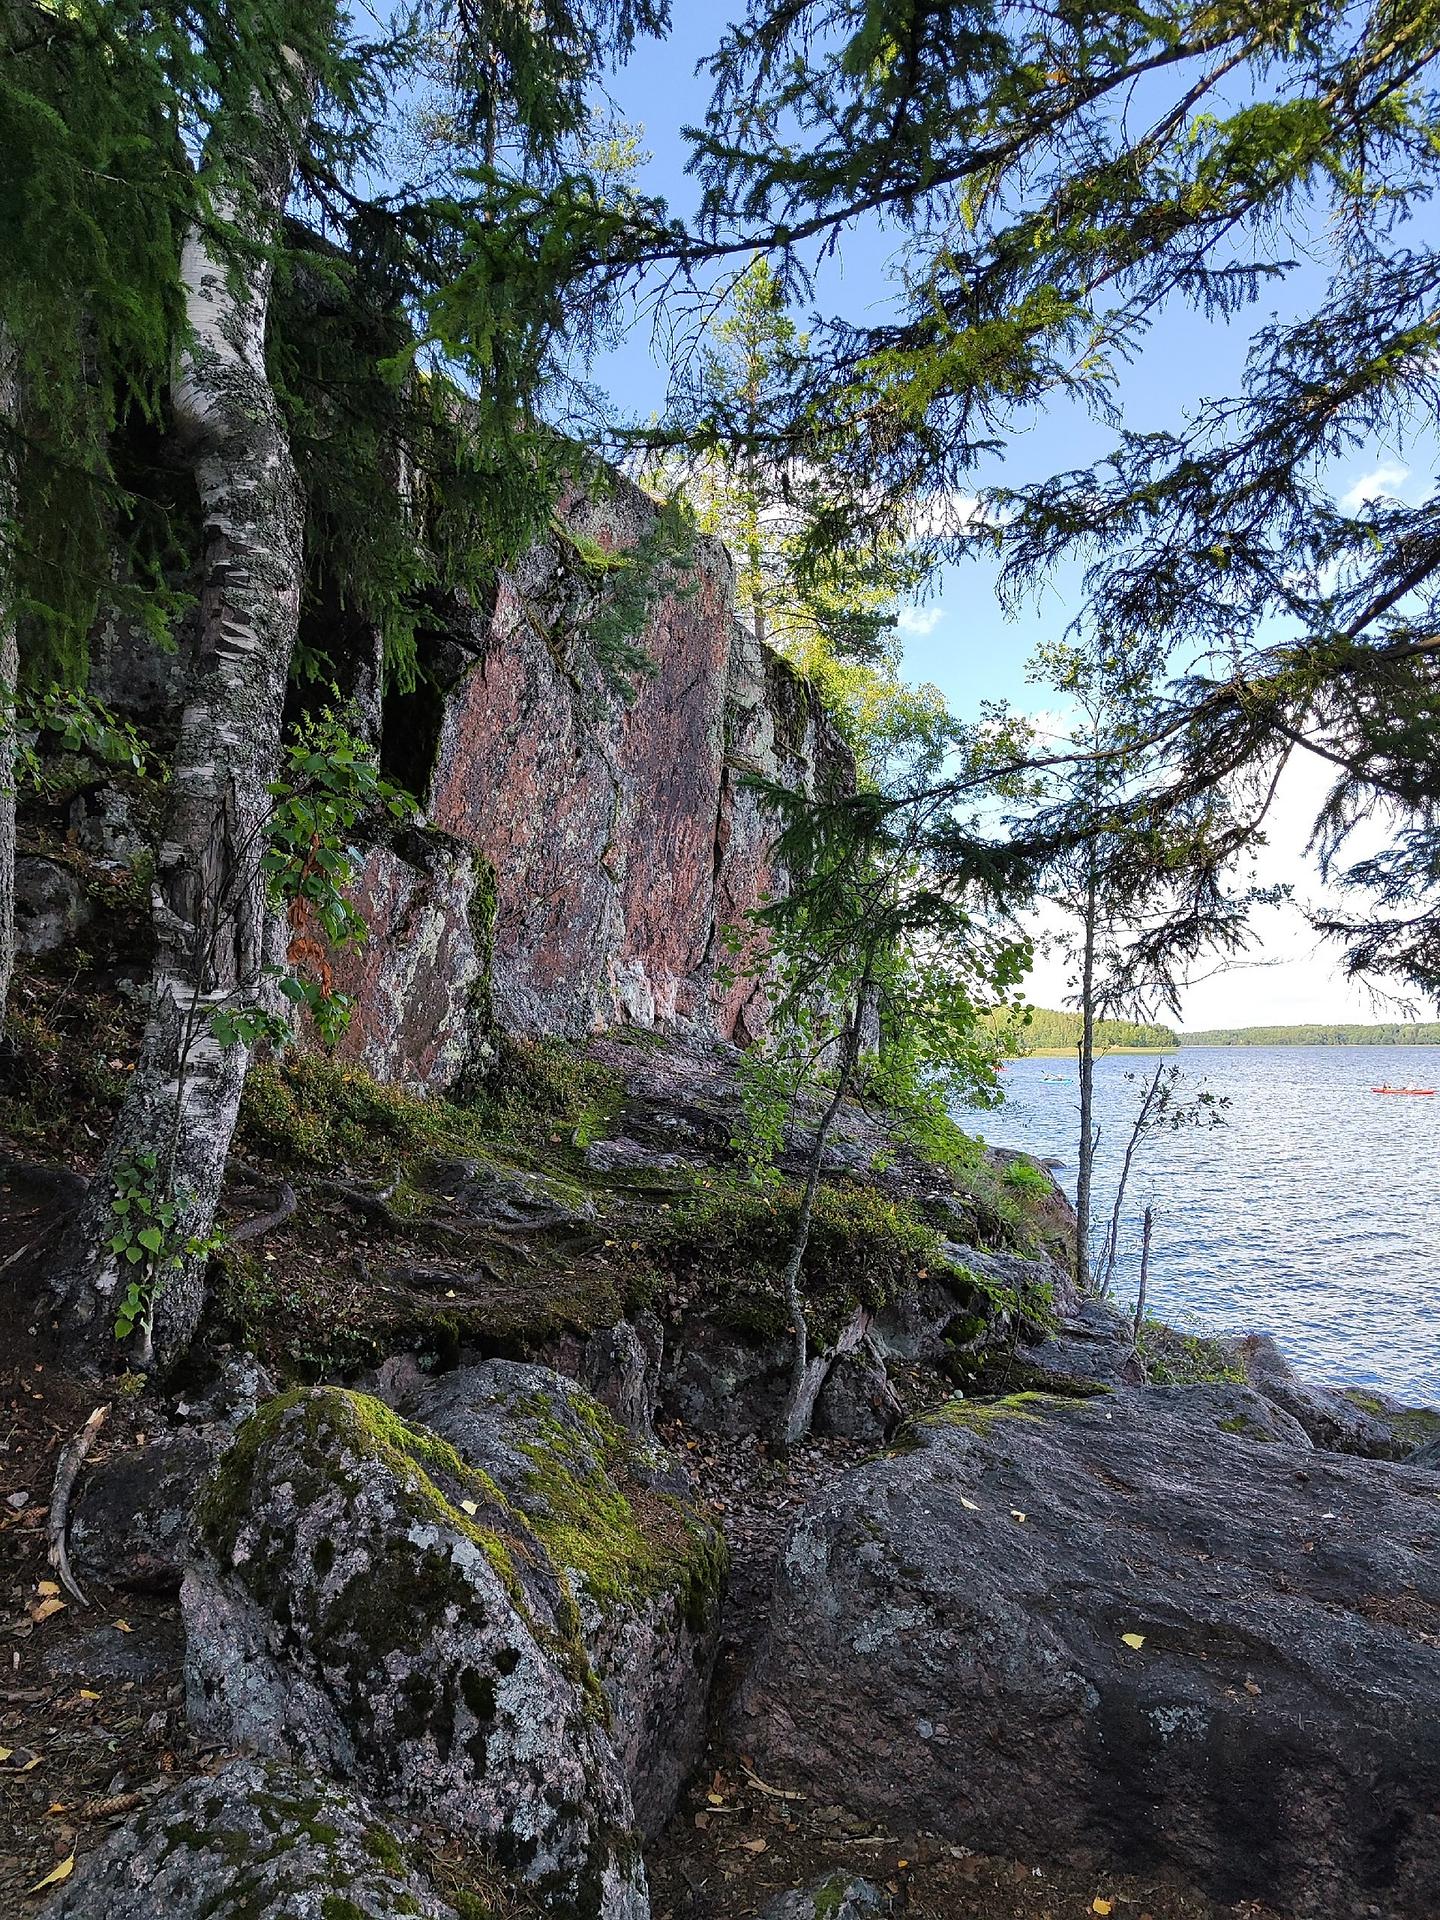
(1176, 1359)
(314, 1110)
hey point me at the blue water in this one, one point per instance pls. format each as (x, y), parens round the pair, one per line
(1312, 1214)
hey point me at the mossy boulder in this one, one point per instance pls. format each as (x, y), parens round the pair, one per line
(612, 1512)
(367, 1604)
(840, 1896)
(257, 1841)
(1332, 1419)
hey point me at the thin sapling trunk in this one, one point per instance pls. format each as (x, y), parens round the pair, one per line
(1142, 1121)
(807, 1376)
(1089, 1139)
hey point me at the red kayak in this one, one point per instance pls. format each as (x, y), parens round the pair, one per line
(1427, 1093)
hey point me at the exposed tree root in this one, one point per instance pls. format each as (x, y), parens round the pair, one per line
(252, 1229)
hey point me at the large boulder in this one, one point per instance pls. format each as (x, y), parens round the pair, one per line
(255, 1839)
(367, 1605)
(838, 1897)
(1330, 1418)
(613, 1514)
(1149, 1628)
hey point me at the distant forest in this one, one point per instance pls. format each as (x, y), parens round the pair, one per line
(1047, 1031)
(1400, 1034)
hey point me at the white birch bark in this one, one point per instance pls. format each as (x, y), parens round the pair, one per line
(213, 929)
(9, 673)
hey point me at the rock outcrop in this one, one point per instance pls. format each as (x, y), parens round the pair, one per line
(1152, 1628)
(508, 1630)
(255, 1839)
(1331, 1419)
(584, 852)
(646, 1572)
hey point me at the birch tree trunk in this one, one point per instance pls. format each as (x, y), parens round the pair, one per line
(9, 671)
(213, 929)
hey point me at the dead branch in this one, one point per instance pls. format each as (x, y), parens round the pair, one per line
(67, 1468)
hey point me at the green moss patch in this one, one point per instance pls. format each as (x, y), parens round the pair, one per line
(624, 1540)
(312, 1110)
(983, 1417)
(727, 1246)
(1176, 1359)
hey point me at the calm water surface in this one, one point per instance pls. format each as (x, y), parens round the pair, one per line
(1312, 1214)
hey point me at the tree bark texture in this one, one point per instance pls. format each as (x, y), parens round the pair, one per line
(1085, 1169)
(214, 931)
(9, 671)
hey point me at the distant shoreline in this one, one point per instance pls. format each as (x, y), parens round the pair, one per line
(1423, 1034)
(1068, 1053)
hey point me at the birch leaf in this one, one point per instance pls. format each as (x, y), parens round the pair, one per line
(56, 1875)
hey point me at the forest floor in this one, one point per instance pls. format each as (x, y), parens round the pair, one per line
(92, 1719)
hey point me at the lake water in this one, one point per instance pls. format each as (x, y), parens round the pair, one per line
(1312, 1214)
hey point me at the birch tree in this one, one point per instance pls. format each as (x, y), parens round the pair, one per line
(213, 927)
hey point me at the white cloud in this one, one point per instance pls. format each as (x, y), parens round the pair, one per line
(1383, 484)
(919, 620)
(1289, 977)
(951, 512)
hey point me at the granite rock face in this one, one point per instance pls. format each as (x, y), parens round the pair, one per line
(420, 981)
(948, 1648)
(610, 841)
(366, 1605)
(256, 1838)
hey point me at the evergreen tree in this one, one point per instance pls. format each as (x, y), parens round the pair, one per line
(828, 606)
(1052, 181)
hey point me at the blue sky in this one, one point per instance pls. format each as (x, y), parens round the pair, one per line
(961, 639)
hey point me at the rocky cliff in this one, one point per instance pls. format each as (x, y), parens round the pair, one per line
(587, 840)
(584, 853)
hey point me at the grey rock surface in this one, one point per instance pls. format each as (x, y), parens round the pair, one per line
(645, 1569)
(857, 1401)
(838, 1897)
(1331, 1419)
(255, 1839)
(365, 1605)
(131, 1524)
(50, 906)
(947, 1649)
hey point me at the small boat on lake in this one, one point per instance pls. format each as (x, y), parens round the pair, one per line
(1427, 1093)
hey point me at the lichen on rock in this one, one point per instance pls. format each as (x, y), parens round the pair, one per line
(366, 1603)
(257, 1841)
